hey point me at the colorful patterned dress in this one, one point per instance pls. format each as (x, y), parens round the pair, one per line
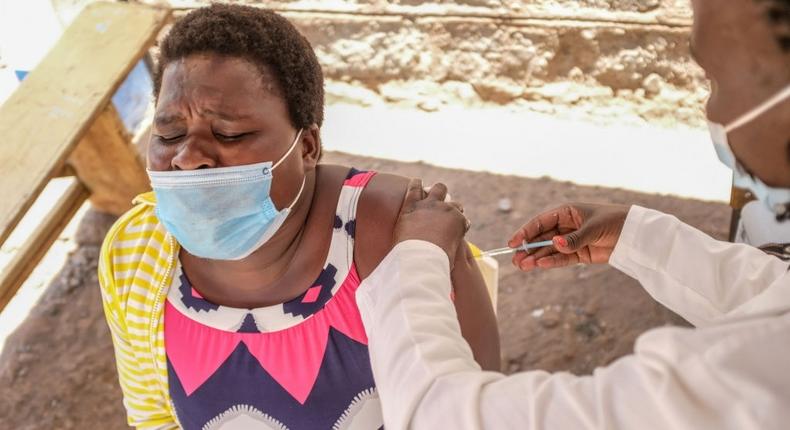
(302, 364)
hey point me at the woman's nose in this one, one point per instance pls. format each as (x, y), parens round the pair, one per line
(194, 155)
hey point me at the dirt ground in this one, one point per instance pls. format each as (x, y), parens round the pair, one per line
(57, 370)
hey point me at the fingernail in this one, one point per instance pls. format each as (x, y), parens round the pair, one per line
(561, 241)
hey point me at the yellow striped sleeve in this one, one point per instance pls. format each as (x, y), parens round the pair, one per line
(145, 402)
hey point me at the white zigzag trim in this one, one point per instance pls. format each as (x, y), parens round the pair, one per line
(359, 402)
(238, 410)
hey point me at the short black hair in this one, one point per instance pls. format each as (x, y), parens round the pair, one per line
(778, 12)
(260, 36)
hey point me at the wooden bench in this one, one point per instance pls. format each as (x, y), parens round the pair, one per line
(60, 121)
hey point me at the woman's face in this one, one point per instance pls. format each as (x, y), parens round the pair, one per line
(217, 111)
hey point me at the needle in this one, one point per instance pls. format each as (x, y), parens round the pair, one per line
(508, 250)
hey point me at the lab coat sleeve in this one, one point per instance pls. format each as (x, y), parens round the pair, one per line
(427, 378)
(414, 338)
(698, 277)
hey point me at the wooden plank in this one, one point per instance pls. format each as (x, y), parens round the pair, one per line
(141, 139)
(107, 164)
(56, 104)
(37, 244)
(64, 171)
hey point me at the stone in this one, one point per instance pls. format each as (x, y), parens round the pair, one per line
(576, 74)
(652, 84)
(550, 319)
(498, 92)
(589, 34)
(462, 90)
(429, 105)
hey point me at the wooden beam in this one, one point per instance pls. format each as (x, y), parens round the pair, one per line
(141, 139)
(64, 171)
(37, 244)
(56, 104)
(107, 164)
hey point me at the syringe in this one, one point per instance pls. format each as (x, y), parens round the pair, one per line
(508, 250)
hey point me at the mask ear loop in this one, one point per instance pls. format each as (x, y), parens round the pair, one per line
(298, 195)
(304, 180)
(290, 150)
(759, 110)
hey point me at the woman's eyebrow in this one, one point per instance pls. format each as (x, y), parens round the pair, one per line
(162, 120)
(225, 116)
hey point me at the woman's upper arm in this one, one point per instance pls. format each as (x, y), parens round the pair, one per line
(145, 405)
(475, 310)
(378, 211)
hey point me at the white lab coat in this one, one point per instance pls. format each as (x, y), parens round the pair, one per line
(730, 372)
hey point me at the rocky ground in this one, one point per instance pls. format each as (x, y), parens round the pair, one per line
(57, 371)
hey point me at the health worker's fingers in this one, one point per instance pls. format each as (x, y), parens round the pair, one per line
(574, 241)
(549, 235)
(529, 262)
(535, 253)
(414, 194)
(437, 192)
(535, 227)
(457, 206)
(460, 208)
(557, 260)
(544, 251)
(519, 256)
(526, 264)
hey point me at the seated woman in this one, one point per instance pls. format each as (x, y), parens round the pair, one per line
(229, 291)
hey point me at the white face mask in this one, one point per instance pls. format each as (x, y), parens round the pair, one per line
(777, 199)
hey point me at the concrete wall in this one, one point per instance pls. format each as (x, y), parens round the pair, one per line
(601, 57)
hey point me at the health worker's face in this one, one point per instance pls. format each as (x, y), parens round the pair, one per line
(736, 44)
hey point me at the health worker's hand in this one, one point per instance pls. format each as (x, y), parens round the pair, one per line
(426, 216)
(581, 233)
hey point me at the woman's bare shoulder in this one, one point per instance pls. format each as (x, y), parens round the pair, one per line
(377, 213)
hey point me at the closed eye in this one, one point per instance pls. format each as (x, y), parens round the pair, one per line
(230, 137)
(169, 139)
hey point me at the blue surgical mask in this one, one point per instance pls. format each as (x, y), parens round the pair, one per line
(224, 213)
(777, 199)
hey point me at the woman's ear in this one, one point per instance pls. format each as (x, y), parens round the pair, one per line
(311, 146)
